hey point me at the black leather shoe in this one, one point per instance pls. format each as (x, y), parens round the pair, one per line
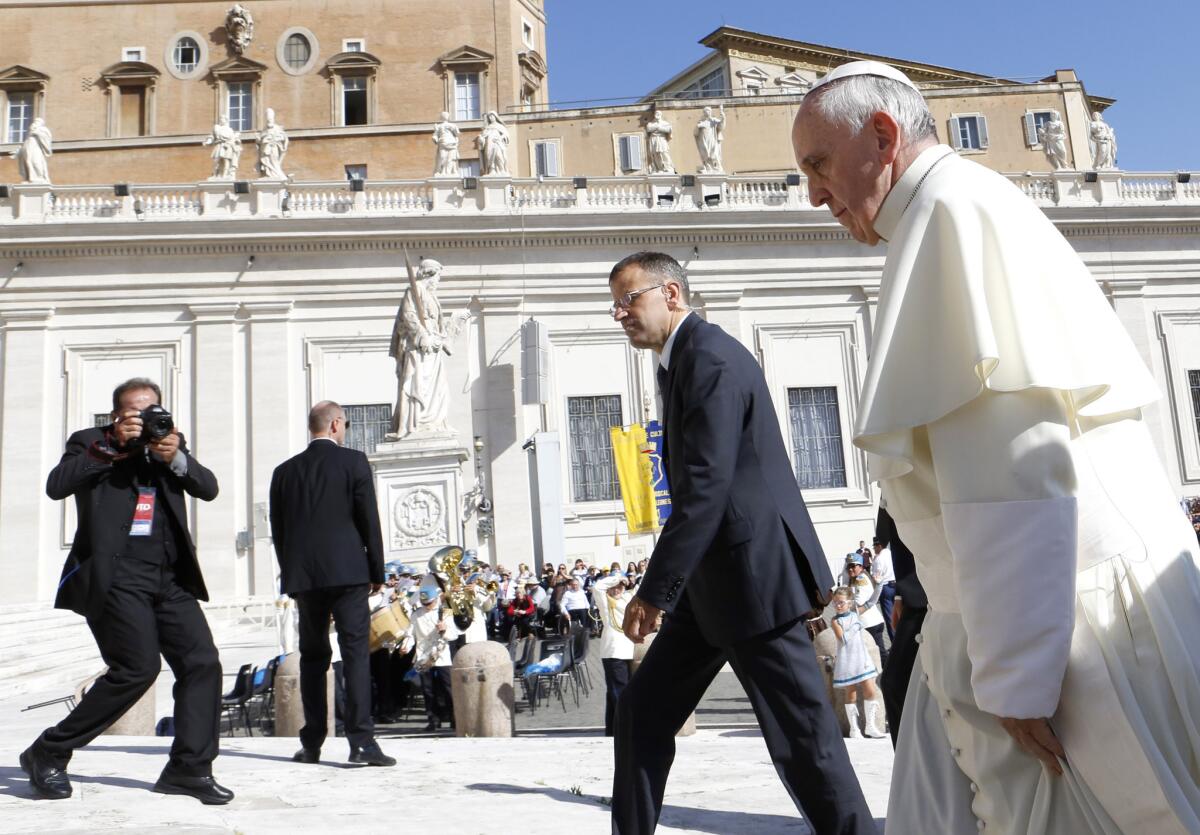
(432, 726)
(307, 755)
(205, 789)
(371, 755)
(47, 781)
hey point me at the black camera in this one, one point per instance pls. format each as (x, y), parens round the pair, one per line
(157, 424)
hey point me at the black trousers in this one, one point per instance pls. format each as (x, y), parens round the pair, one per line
(352, 619)
(887, 596)
(616, 676)
(779, 671)
(894, 679)
(147, 614)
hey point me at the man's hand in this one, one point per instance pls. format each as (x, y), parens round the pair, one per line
(128, 427)
(1037, 739)
(165, 449)
(375, 587)
(641, 619)
(897, 609)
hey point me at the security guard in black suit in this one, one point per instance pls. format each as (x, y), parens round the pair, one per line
(132, 572)
(735, 571)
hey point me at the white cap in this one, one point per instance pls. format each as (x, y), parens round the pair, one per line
(866, 68)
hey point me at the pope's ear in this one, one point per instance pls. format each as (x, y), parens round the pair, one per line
(887, 136)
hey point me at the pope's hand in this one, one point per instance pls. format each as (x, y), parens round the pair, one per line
(641, 618)
(1037, 739)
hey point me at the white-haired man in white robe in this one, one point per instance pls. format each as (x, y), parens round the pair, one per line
(1057, 688)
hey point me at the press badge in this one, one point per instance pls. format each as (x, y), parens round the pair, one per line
(143, 513)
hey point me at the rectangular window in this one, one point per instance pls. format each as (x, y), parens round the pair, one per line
(133, 112)
(545, 158)
(1035, 120)
(19, 116)
(1194, 385)
(133, 53)
(593, 469)
(466, 95)
(816, 437)
(527, 33)
(631, 152)
(241, 105)
(354, 100)
(709, 86)
(356, 172)
(354, 45)
(468, 167)
(366, 425)
(969, 132)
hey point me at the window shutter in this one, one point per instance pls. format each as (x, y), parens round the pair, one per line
(623, 144)
(983, 137)
(551, 159)
(955, 135)
(1031, 137)
(631, 152)
(539, 159)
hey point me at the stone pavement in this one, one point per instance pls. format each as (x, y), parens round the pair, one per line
(722, 783)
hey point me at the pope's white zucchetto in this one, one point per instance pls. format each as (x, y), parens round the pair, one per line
(866, 68)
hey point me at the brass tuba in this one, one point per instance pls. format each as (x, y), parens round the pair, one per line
(449, 562)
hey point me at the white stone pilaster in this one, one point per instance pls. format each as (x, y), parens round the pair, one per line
(724, 307)
(26, 448)
(213, 439)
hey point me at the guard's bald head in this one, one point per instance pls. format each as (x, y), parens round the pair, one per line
(322, 415)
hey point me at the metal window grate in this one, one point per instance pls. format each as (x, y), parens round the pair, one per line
(1194, 386)
(816, 437)
(593, 470)
(100, 419)
(368, 424)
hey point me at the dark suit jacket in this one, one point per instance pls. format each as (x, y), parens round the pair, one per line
(908, 586)
(324, 519)
(739, 545)
(105, 495)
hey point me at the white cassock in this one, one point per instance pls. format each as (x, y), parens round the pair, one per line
(1002, 414)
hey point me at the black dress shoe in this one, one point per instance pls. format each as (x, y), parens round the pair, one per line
(205, 789)
(371, 755)
(47, 781)
(432, 726)
(307, 755)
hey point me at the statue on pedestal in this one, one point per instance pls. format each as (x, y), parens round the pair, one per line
(272, 145)
(493, 145)
(420, 344)
(710, 133)
(1053, 136)
(445, 137)
(32, 162)
(1104, 140)
(227, 150)
(658, 147)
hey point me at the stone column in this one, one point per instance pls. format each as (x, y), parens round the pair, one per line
(500, 420)
(639, 652)
(481, 686)
(289, 708)
(213, 437)
(30, 443)
(270, 421)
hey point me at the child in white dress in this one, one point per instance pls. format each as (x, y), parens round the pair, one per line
(852, 669)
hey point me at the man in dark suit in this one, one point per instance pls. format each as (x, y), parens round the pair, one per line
(327, 537)
(908, 613)
(735, 570)
(132, 572)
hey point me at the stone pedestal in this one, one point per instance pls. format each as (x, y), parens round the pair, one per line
(639, 652)
(495, 192)
(139, 720)
(447, 191)
(32, 200)
(825, 645)
(266, 197)
(418, 482)
(481, 684)
(289, 709)
(707, 184)
(664, 185)
(217, 197)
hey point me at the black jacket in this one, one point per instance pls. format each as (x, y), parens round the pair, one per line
(739, 545)
(105, 495)
(324, 519)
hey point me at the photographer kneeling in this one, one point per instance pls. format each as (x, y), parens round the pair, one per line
(133, 573)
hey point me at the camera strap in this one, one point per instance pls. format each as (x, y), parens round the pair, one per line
(143, 512)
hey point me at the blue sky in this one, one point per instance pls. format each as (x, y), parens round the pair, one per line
(1144, 54)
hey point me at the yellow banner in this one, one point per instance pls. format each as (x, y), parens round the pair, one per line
(635, 473)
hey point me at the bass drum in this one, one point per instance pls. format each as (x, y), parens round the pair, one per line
(386, 629)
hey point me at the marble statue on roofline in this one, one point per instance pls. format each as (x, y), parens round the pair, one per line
(1053, 136)
(493, 145)
(227, 150)
(1104, 143)
(658, 145)
(33, 156)
(445, 137)
(272, 145)
(710, 135)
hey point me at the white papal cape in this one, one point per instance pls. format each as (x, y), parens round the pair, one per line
(1001, 412)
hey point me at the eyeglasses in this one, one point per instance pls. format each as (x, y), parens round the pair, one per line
(626, 300)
